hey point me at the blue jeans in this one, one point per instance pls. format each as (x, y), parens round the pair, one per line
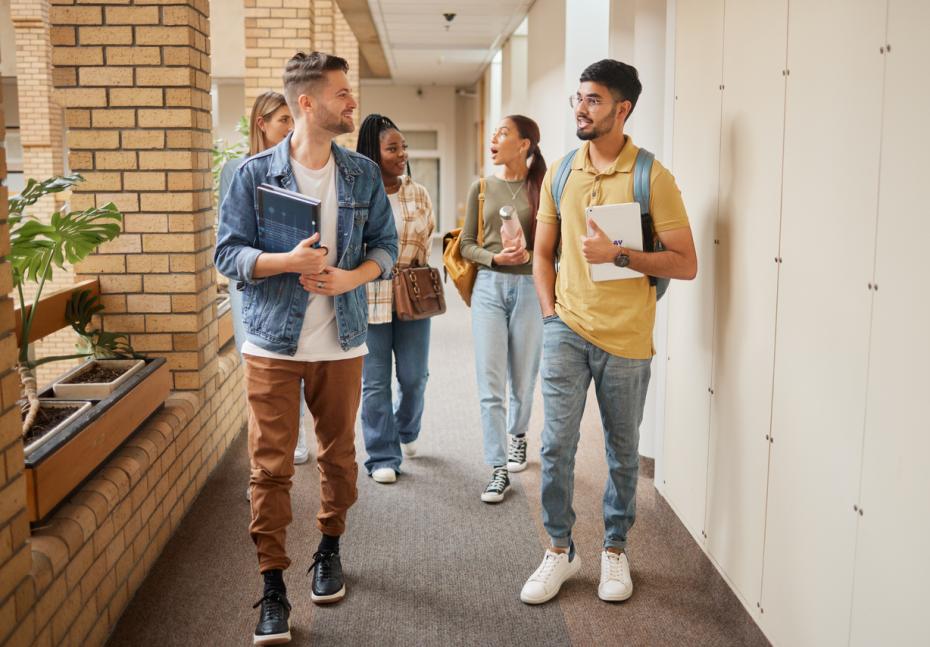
(386, 424)
(507, 329)
(569, 364)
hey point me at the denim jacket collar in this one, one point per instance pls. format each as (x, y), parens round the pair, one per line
(280, 165)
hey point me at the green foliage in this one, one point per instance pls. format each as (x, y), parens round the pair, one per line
(223, 152)
(80, 311)
(36, 248)
(69, 237)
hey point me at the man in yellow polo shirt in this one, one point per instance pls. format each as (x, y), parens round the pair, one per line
(599, 330)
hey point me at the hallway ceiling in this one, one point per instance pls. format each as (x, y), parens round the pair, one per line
(420, 50)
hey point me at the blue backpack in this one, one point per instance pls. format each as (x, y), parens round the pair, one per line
(641, 172)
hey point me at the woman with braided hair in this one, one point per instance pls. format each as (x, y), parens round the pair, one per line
(391, 431)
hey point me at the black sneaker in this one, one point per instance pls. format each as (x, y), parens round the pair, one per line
(516, 454)
(328, 583)
(500, 481)
(274, 626)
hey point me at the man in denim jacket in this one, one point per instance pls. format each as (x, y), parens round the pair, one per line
(306, 317)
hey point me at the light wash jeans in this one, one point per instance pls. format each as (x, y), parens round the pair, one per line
(387, 423)
(507, 329)
(235, 306)
(569, 364)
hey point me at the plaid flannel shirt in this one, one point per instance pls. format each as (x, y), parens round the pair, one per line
(413, 239)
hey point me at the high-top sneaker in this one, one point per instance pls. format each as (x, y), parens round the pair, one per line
(500, 481)
(516, 454)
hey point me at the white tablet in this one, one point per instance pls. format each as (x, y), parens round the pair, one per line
(621, 222)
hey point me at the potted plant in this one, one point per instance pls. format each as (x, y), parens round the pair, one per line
(36, 248)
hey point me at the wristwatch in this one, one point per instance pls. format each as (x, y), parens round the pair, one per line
(621, 260)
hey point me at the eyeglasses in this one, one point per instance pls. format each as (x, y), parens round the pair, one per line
(590, 102)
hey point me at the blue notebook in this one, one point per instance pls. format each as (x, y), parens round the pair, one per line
(285, 218)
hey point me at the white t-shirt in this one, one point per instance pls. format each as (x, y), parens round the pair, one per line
(319, 337)
(394, 199)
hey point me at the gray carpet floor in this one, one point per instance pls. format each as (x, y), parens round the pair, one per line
(427, 563)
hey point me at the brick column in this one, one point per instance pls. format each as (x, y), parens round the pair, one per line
(43, 150)
(346, 45)
(274, 31)
(17, 591)
(324, 29)
(41, 134)
(138, 113)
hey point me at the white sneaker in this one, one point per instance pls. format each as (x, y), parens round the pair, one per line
(384, 475)
(248, 492)
(409, 449)
(616, 584)
(545, 583)
(302, 451)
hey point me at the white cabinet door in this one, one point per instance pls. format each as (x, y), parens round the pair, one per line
(892, 560)
(832, 130)
(691, 304)
(755, 36)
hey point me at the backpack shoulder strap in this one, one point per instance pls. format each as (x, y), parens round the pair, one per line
(641, 174)
(560, 179)
(480, 232)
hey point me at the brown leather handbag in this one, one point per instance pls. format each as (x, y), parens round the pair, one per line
(418, 293)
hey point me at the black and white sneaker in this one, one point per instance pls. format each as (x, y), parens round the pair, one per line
(500, 481)
(516, 454)
(274, 626)
(328, 584)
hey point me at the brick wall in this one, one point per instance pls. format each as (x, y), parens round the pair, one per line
(134, 75)
(43, 150)
(346, 45)
(274, 31)
(17, 591)
(135, 78)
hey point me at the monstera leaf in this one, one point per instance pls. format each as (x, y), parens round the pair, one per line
(35, 190)
(79, 311)
(69, 237)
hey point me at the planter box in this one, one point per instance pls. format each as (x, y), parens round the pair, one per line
(56, 404)
(94, 390)
(57, 466)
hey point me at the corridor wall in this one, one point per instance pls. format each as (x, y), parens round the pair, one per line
(796, 448)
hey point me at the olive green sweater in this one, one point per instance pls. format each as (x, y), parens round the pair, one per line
(497, 193)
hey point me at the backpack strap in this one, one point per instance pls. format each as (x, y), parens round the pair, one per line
(642, 170)
(479, 233)
(560, 179)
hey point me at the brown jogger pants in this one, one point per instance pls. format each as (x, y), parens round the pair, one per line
(333, 392)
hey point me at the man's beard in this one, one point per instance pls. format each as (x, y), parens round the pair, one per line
(334, 123)
(597, 128)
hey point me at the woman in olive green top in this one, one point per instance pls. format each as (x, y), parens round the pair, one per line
(506, 320)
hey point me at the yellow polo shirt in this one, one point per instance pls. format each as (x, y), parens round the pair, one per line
(616, 316)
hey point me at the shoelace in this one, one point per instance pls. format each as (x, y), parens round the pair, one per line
(517, 452)
(273, 611)
(614, 567)
(545, 569)
(498, 481)
(323, 559)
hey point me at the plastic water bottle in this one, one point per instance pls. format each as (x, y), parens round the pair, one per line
(511, 230)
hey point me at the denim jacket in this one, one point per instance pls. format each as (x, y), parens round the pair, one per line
(273, 308)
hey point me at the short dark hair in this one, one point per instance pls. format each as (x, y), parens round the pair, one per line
(304, 71)
(620, 78)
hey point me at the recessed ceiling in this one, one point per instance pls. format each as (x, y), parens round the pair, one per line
(420, 49)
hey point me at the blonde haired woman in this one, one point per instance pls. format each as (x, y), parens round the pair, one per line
(269, 123)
